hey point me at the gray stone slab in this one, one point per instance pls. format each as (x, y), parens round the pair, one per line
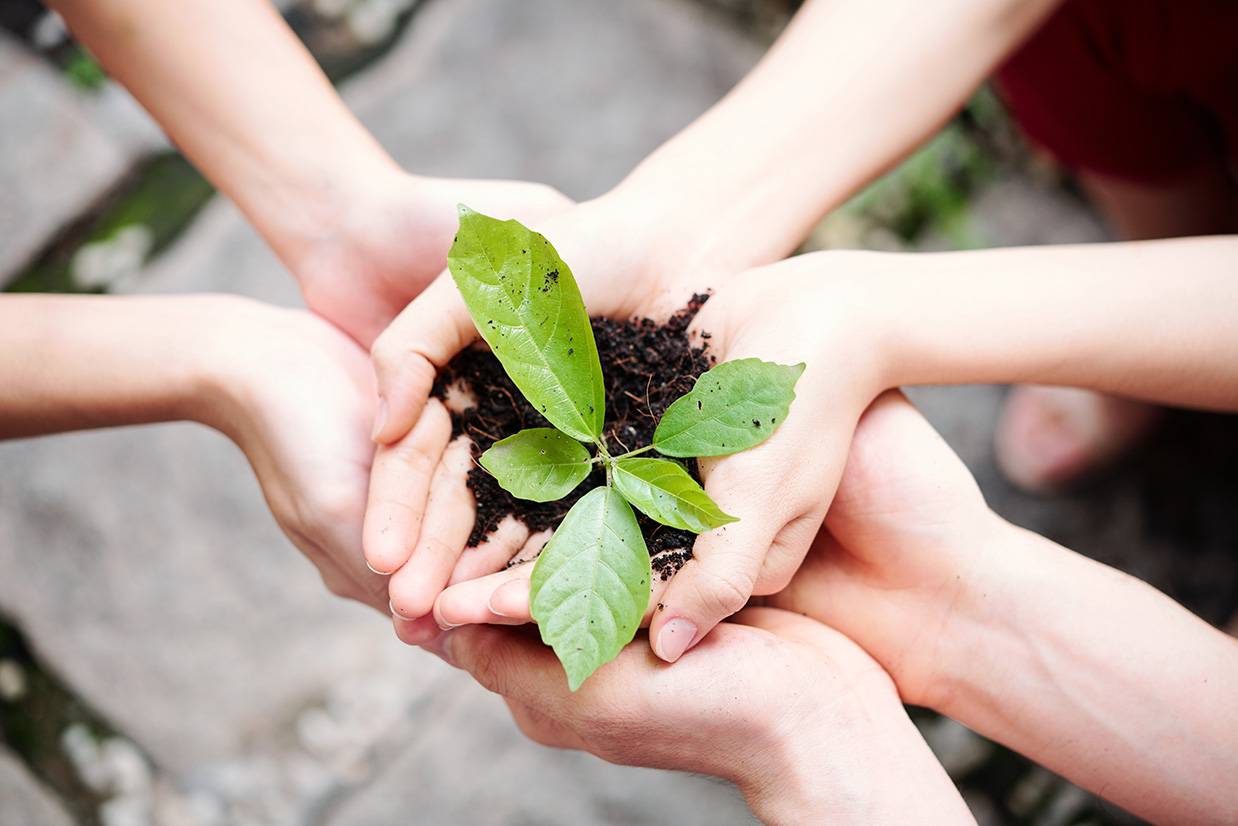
(573, 93)
(23, 800)
(60, 149)
(469, 764)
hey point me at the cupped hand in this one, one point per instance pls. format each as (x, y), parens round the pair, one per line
(297, 396)
(390, 239)
(798, 716)
(420, 511)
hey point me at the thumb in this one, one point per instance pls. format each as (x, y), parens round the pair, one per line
(757, 554)
(407, 355)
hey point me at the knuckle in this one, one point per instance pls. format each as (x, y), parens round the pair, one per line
(721, 594)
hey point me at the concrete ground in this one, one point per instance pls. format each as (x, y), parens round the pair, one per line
(144, 569)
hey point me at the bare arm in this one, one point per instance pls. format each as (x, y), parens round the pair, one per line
(70, 363)
(1086, 670)
(294, 393)
(849, 89)
(241, 96)
(1149, 319)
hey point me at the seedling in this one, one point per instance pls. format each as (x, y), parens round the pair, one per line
(591, 583)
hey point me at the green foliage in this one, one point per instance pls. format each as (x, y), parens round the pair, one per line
(541, 464)
(83, 72)
(732, 407)
(591, 583)
(665, 493)
(526, 305)
(590, 586)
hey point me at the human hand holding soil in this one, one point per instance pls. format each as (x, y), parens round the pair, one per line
(779, 490)
(794, 713)
(420, 513)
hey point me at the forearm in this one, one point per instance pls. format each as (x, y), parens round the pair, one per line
(1100, 678)
(76, 362)
(1151, 320)
(849, 89)
(240, 95)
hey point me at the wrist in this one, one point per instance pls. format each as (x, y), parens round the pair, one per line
(980, 620)
(214, 390)
(875, 770)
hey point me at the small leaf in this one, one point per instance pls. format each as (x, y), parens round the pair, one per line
(734, 406)
(527, 307)
(591, 583)
(540, 463)
(666, 493)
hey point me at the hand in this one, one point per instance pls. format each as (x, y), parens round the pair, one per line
(903, 549)
(794, 713)
(297, 396)
(780, 490)
(389, 239)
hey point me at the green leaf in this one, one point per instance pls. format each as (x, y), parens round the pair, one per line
(540, 463)
(527, 307)
(591, 583)
(734, 406)
(665, 492)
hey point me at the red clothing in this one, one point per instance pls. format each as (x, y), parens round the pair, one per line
(1144, 90)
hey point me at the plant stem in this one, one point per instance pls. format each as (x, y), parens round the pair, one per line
(632, 453)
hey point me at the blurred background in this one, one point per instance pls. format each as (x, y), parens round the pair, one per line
(166, 656)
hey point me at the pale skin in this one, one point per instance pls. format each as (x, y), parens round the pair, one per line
(294, 393)
(865, 322)
(1090, 672)
(738, 188)
(805, 723)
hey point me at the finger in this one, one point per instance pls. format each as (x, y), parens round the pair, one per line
(407, 355)
(495, 551)
(418, 631)
(474, 601)
(501, 598)
(757, 554)
(449, 515)
(399, 483)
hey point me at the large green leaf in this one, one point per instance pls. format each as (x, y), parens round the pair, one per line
(527, 307)
(665, 492)
(540, 463)
(591, 583)
(732, 407)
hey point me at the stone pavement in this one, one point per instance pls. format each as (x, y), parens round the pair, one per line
(143, 566)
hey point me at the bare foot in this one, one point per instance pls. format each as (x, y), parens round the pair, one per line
(1049, 437)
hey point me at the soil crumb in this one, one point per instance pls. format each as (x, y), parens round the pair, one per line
(645, 365)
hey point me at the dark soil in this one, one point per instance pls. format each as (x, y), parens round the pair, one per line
(645, 366)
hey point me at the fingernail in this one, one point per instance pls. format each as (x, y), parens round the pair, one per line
(490, 607)
(674, 639)
(375, 570)
(518, 588)
(445, 625)
(396, 613)
(440, 647)
(380, 418)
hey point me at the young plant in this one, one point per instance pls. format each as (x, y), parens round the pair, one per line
(591, 583)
